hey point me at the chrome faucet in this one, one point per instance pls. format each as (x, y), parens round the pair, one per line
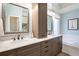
(18, 37)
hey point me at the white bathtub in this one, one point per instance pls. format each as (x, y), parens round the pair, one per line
(71, 44)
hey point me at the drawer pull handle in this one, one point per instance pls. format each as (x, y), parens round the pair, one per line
(46, 51)
(46, 46)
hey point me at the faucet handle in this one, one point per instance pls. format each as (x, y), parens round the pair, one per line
(14, 39)
(18, 37)
(21, 38)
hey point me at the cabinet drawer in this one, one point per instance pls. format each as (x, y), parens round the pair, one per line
(28, 52)
(27, 47)
(45, 52)
(25, 50)
(47, 42)
(45, 47)
(8, 53)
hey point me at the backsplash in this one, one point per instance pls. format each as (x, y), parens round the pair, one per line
(10, 36)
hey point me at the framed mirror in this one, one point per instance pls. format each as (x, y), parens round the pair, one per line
(49, 24)
(15, 18)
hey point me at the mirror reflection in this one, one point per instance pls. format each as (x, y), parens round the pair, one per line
(50, 24)
(16, 18)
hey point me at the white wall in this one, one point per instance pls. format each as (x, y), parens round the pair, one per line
(56, 22)
(53, 10)
(54, 7)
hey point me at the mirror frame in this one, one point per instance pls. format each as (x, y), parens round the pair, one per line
(4, 18)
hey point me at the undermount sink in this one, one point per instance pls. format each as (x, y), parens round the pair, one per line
(11, 41)
(7, 41)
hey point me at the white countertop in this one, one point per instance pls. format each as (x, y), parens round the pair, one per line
(5, 46)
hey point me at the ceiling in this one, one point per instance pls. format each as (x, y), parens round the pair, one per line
(63, 7)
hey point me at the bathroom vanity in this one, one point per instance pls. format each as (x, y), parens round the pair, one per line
(49, 46)
(16, 21)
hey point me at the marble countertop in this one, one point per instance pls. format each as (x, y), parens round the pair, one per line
(8, 45)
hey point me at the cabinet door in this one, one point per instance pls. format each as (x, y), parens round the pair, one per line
(33, 51)
(42, 19)
(39, 16)
(54, 46)
(60, 43)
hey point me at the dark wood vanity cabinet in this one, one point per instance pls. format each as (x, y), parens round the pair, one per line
(42, 18)
(60, 44)
(56, 45)
(45, 49)
(30, 50)
(49, 47)
(39, 20)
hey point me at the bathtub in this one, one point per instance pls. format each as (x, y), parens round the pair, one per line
(71, 44)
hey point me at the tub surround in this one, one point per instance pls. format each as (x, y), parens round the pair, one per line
(72, 49)
(6, 46)
(71, 44)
